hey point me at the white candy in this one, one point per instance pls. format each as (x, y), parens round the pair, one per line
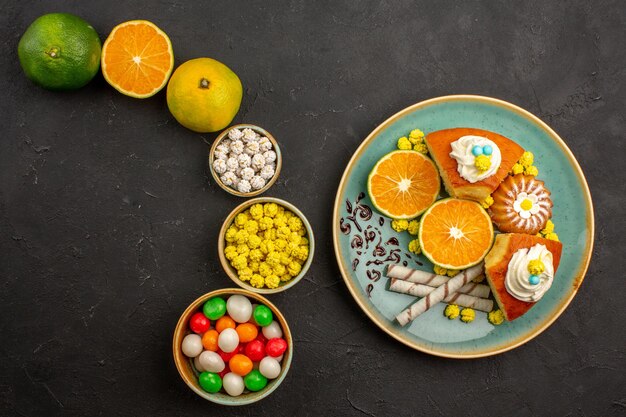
(267, 172)
(222, 148)
(257, 162)
(233, 384)
(232, 163)
(244, 160)
(279, 358)
(192, 345)
(228, 340)
(226, 142)
(228, 179)
(249, 134)
(269, 367)
(265, 144)
(257, 182)
(236, 147)
(197, 364)
(272, 330)
(239, 308)
(220, 155)
(270, 156)
(211, 361)
(219, 165)
(243, 186)
(247, 174)
(252, 148)
(235, 134)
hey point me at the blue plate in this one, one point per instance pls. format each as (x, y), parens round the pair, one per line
(361, 235)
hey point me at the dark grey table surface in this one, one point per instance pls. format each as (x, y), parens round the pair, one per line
(108, 220)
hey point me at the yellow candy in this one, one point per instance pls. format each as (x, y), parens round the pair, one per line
(496, 317)
(255, 255)
(517, 169)
(254, 266)
(527, 159)
(239, 262)
(452, 272)
(279, 270)
(416, 134)
(421, 148)
(229, 236)
(304, 241)
(267, 246)
(272, 258)
(241, 219)
(451, 311)
(266, 223)
(288, 215)
(257, 281)
(254, 241)
(295, 224)
(243, 249)
(264, 269)
(283, 232)
(285, 277)
(270, 209)
(552, 236)
(531, 170)
(439, 270)
(256, 211)
(404, 143)
(294, 269)
(413, 227)
(549, 228)
(399, 225)
(280, 244)
(482, 163)
(467, 315)
(303, 253)
(284, 258)
(270, 234)
(241, 237)
(245, 274)
(414, 246)
(230, 252)
(251, 227)
(272, 281)
(488, 202)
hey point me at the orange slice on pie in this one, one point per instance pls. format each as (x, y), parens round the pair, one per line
(403, 184)
(455, 234)
(137, 58)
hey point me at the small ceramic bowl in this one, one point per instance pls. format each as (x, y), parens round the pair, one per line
(276, 148)
(185, 365)
(232, 273)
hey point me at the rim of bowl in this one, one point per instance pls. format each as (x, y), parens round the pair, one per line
(230, 271)
(258, 129)
(184, 364)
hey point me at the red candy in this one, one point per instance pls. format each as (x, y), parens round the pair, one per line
(255, 350)
(225, 371)
(261, 338)
(199, 323)
(226, 356)
(276, 347)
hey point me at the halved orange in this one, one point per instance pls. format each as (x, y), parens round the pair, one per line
(455, 234)
(403, 184)
(137, 58)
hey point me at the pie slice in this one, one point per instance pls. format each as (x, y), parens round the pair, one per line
(497, 264)
(439, 147)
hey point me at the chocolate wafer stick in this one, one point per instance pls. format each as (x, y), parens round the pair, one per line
(420, 290)
(433, 280)
(441, 292)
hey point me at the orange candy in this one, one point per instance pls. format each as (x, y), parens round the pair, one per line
(240, 364)
(247, 332)
(209, 340)
(224, 322)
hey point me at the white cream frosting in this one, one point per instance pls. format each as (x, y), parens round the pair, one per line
(462, 152)
(517, 276)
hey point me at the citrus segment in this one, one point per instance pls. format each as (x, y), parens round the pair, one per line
(137, 58)
(455, 234)
(403, 184)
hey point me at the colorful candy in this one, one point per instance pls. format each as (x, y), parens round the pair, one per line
(241, 352)
(210, 382)
(211, 361)
(276, 347)
(214, 308)
(239, 308)
(255, 381)
(228, 340)
(263, 315)
(233, 384)
(192, 345)
(269, 367)
(199, 323)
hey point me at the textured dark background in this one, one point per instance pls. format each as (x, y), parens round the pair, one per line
(108, 220)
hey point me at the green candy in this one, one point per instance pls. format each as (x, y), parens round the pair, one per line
(210, 382)
(214, 308)
(255, 381)
(262, 315)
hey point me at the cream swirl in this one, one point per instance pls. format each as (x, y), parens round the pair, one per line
(462, 152)
(517, 276)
